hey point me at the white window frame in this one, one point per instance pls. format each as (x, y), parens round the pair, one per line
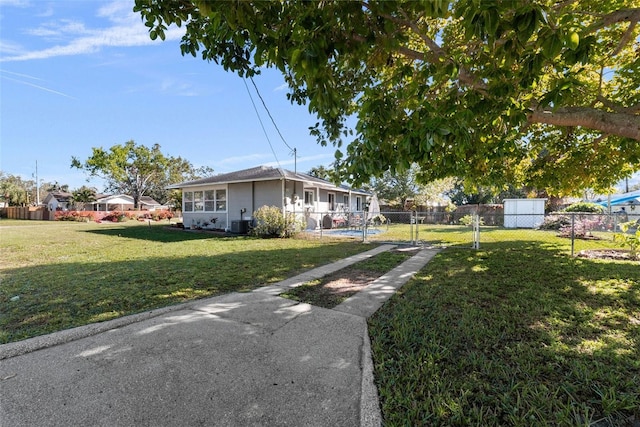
(331, 201)
(187, 201)
(309, 197)
(358, 203)
(209, 200)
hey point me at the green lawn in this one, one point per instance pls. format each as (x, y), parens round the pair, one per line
(517, 333)
(56, 275)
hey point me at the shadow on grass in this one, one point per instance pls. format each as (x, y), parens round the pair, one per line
(160, 233)
(516, 333)
(52, 297)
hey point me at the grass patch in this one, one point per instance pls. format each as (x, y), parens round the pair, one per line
(512, 334)
(333, 289)
(57, 275)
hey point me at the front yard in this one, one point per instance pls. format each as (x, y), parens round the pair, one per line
(57, 275)
(516, 333)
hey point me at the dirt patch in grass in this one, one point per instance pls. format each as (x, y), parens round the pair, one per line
(616, 254)
(334, 288)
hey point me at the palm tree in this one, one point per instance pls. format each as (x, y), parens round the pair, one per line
(81, 196)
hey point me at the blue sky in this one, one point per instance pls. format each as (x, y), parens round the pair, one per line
(78, 74)
(81, 74)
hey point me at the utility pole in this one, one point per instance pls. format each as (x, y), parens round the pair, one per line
(295, 160)
(37, 186)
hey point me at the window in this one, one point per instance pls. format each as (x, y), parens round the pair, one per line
(209, 200)
(308, 197)
(221, 200)
(345, 200)
(188, 201)
(205, 201)
(358, 203)
(332, 201)
(198, 205)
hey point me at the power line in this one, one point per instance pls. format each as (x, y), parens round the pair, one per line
(270, 116)
(260, 120)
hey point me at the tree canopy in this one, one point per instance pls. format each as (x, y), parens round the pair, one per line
(136, 170)
(540, 92)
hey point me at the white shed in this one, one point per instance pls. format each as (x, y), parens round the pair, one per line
(523, 213)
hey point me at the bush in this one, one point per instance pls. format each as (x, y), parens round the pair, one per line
(629, 238)
(160, 215)
(116, 216)
(582, 228)
(271, 223)
(79, 216)
(555, 222)
(585, 207)
(468, 220)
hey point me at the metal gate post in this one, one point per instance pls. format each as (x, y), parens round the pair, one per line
(476, 231)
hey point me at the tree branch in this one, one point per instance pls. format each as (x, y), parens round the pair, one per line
(626, 38)
(621, 15)
(620, 124)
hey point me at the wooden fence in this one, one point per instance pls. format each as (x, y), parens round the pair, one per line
(27, 212)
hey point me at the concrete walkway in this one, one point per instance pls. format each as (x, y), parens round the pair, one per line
(242, 359)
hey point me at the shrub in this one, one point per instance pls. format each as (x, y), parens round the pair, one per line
(581, 228)
(555, 222)
(585, 207)
(468, 220)
(79, 216)
(271, 223)
(629, 238)
(116, 216)
(160, 215)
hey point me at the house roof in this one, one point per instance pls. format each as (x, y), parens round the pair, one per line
(60, 196)
(619, 199)
(124, 198)
(263, 173)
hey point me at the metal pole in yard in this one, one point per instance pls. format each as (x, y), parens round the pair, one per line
(573, 233)
(411, 226)
(476, 231)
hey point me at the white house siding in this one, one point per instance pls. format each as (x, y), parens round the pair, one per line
(241, 198)
(267, 193)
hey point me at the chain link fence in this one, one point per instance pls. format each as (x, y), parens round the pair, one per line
(572, 232)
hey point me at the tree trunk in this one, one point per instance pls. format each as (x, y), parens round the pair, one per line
(619, 124)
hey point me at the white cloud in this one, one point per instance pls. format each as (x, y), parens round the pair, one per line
(61, 28)
(15, 3)
(10, 48)
(242, 159)
(126, 30)
(300, 160)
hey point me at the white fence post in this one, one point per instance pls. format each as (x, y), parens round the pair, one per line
(476, 231)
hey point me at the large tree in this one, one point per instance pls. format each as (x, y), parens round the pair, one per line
(14, 191)
(83, 195)
(135, 170)
(543, 92)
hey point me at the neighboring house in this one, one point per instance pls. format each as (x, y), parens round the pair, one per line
(57, 200)
(628, 203)
(228, 200)
(122, 202)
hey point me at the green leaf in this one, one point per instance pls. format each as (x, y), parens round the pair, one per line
(573, 40)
